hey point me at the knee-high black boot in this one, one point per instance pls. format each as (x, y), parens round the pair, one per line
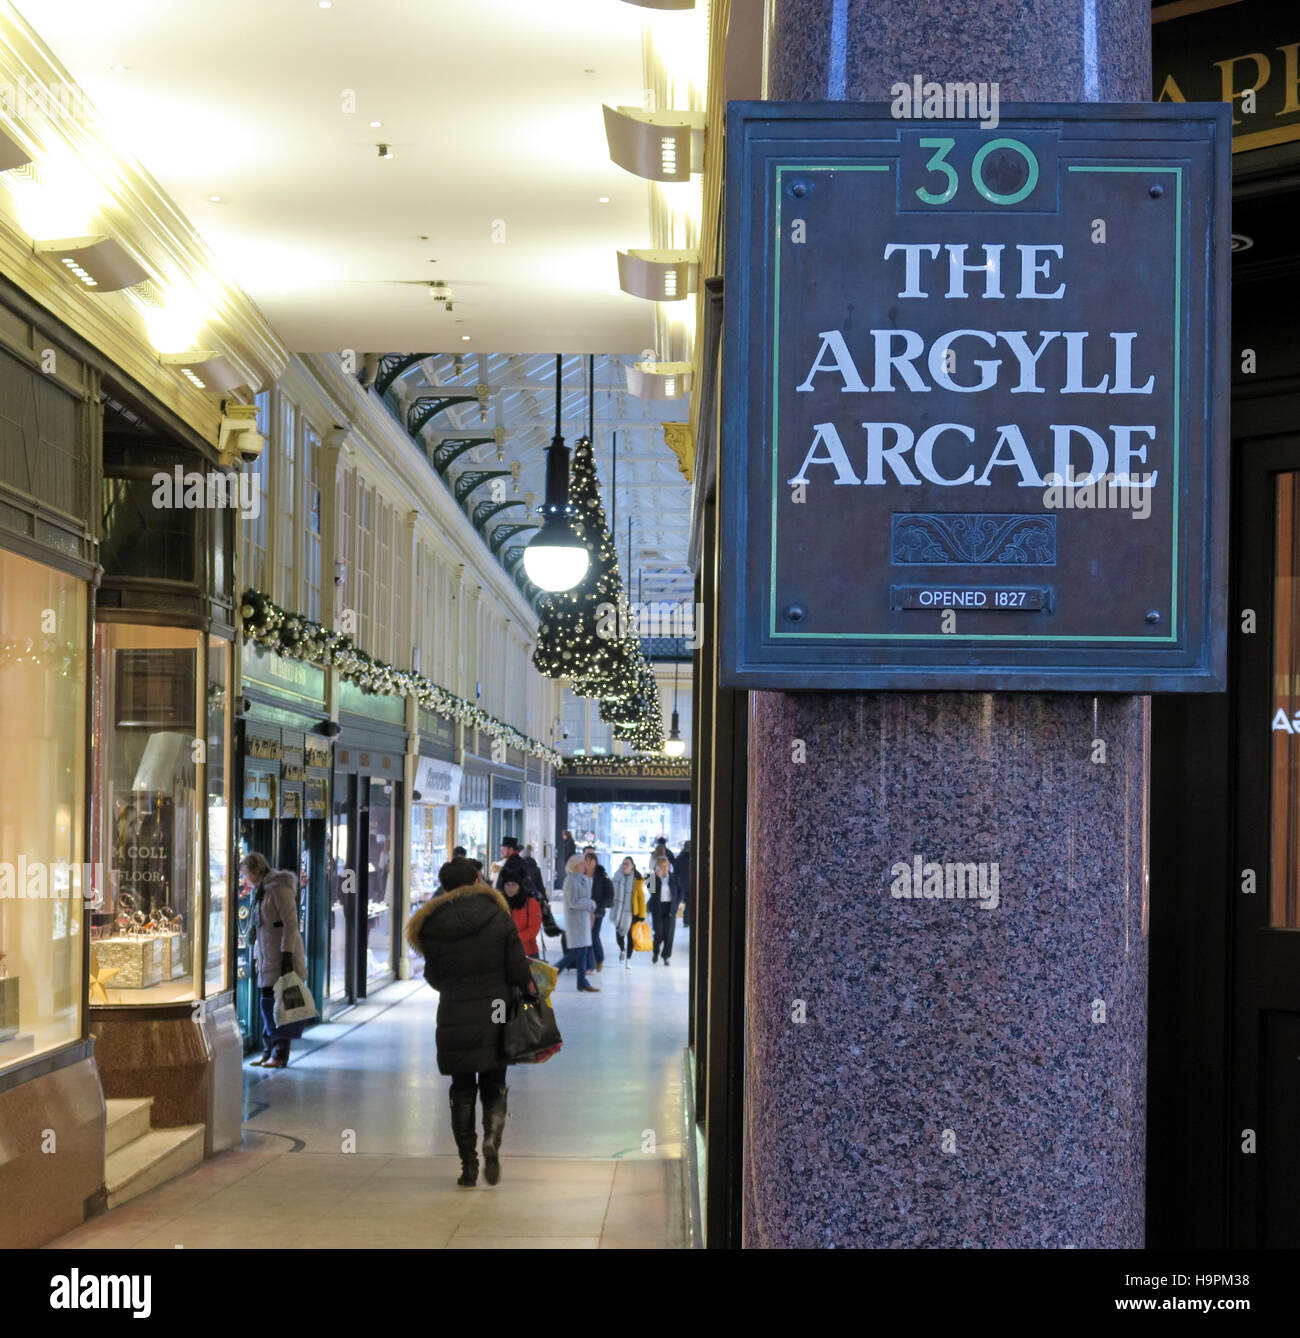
(494, 1124)
(462, 1126)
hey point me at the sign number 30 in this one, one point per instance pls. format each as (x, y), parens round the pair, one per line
(939, 163)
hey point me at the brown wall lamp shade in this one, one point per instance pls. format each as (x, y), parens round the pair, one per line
(99, 262)
(659, 276)
(660, 146)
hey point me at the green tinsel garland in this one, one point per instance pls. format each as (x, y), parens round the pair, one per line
(298, 638)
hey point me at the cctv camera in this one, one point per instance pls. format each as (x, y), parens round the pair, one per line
(251, 446)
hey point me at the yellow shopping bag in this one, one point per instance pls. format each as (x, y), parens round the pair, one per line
(642, 939)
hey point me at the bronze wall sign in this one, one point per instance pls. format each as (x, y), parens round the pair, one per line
(975, 428)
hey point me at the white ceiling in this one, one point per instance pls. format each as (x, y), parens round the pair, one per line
(491, 112)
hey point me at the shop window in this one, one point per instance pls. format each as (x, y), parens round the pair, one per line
(365, 563)
(219, 764)
(254, 575)
(384, 583)
(379, 883)
(153, 802)
(311, 537)
(287, 520)
(141, 539)
(43, 881)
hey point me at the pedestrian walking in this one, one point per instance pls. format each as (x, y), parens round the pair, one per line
(277, 950)
(579, 912)
(628, 907)
(663, 899)
(602, 893)
(474, 958)
(526, 912)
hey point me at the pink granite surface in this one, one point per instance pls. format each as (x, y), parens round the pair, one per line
(952, 1084)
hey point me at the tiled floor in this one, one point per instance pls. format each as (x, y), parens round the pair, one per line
(351, 1145)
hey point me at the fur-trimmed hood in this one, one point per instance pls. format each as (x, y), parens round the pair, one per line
(461, 912)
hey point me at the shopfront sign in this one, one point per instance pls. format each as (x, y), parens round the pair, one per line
(262, 747)
(607, 768)
(437, 782)
(1247, 55)
(976, 388)
(292, 678)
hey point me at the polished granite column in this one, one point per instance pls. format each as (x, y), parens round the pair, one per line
(925, 1072)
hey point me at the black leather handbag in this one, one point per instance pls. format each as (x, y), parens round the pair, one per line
(531, 1034)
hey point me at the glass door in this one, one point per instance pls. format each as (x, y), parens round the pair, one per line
(340, 986)
(1265, 1100)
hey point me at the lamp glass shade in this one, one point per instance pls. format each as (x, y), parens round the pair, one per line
(556, 559)
(675, 747)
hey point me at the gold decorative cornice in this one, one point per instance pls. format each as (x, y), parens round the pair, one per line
(680, 439)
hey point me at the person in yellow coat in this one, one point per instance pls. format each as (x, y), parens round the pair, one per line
(627, 907)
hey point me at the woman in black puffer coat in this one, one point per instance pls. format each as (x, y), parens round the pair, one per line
(474, 959)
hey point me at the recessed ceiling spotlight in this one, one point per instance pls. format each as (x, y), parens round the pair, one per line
(1240, 242)
(374, 125)
(326, 4)
(465, 338)
(119, 69)
(216, 199)
(604, 199)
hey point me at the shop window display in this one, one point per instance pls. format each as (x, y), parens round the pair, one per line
(218, 761)
(160, 710)
(379, 911)
(630, 829)
(429, 852)
(43, 881)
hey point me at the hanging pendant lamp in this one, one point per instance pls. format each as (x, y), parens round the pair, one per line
(676, 745)
(556, 559)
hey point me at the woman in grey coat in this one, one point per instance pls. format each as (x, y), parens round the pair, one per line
(624, 880)
(277, 950)
(579, 912)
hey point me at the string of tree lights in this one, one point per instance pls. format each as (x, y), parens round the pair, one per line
(298, 638)
(585, 635)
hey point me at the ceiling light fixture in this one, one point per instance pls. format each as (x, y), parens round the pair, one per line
(374, 125)
(216, 199)
(119, 69)
(556, 559)
(661, 146)
(99, 262)
(465, 338)
(604, 199)
(659, 380)
(659, 276)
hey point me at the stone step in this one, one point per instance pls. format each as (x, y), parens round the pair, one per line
(128, 1119)
(151, 1159)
